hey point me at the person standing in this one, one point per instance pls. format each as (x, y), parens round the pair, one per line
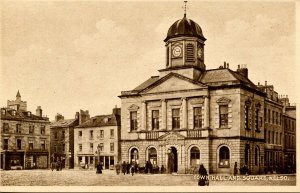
(235, 170)
(128, 168)
(146, 167)
(124, 166)
(100, 168)
(203, 177)
(118, 168)
(132, 169)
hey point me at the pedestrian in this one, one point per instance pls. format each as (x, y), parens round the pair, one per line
(58, 165)
(100, 168)
(146, 167)
(128, 168)
(203, 177)
(162, 169)
(97, 168)
(124, 166)
(118, 168)
(53, 165)
(150, 168)
(132, 169)
(235, 169)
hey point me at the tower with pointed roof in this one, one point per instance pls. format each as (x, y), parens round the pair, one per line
(17, 104)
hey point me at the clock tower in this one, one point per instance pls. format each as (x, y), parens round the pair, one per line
(185, 47)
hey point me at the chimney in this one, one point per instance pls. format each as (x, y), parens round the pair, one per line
(266, 83)
(117, 111)
(227, 65)
(243, 70)
(59, 117)
(224, 64)
(77, 116)
(39, 111)
(83, 116)
(258, 83)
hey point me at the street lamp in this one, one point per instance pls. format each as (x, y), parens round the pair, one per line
(98, 148)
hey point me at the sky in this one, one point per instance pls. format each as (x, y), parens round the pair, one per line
(72, 55)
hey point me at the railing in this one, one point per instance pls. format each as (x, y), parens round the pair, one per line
(194, 134)
(152, 135)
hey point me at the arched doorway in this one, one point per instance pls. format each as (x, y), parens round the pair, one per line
(152, 155)
(194, 157)
(134, 155)
(172, 160)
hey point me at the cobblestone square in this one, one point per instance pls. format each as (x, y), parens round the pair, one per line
(109, 178)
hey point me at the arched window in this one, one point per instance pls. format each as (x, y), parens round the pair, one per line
(152, 155)
(224, 157)
(134, 155)
(195, 157)
(247, 153)
(190, 53)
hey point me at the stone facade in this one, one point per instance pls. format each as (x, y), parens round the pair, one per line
(97, 138)
(25, 137)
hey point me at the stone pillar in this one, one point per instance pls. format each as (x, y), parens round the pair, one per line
(184, 113)
(144, 116)
(206, 118)
(164, 114)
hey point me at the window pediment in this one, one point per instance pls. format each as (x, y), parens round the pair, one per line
(133, 107)
(223, 101)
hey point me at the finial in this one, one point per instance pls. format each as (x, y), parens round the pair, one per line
(184, 8)
(18, 94)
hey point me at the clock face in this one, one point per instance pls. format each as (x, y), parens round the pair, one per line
(176, 51)
(200, 52)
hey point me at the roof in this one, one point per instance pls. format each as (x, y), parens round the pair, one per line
(21, 115)
(62, 123)
(147, 83)
(101, 120)
(185, 27)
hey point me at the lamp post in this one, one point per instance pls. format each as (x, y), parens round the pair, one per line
(98, 148)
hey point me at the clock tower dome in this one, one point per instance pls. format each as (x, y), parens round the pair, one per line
(185, 46)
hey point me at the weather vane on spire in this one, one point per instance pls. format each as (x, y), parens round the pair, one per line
(184, 8)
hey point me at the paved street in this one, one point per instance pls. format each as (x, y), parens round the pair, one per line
(109, 178)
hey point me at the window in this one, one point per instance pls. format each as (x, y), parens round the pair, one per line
(55, 148)
(91, 147)
(63, 135)
(91, 160)
(43, 130)
(55, 134)
(79, 133)
(152, 155)
(13, 113)
(31, 129)
(112, 134)
(257, 120)
(111, 147)
(134, 155)
(197, 117)
(276, 118)
(273, 137)
(63, 147)
(80, 147)
(256, 156)
(280, 136)
(175, 119)
(30, 144)
(265, 114)
(101, 134)
(5, 144)
(133, 121)
(18, 128)
(101, 147)
(224, 157)
(190, 53)
(155, 119)
(195, 157)
(247, 117)
(91, 134)
(276, 138)
(280, 118)
(3, 111)
(5, 128)
(19, 144)
(247, 153)
(43, 145)
(273, 117)
(269, 116)
(223, 116)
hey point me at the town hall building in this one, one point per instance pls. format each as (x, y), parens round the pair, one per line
(189, 115)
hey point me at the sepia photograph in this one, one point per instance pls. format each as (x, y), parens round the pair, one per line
(149, 96)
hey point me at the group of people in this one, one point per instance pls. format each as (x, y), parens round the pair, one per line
(56, 165)
(127, 168)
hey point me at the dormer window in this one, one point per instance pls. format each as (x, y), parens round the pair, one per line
(29, 114)
(13, 113)
(3, 111)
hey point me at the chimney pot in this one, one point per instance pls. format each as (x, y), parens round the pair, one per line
(258, 83)
(227, 65)
(266, 83)
(238, 66)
